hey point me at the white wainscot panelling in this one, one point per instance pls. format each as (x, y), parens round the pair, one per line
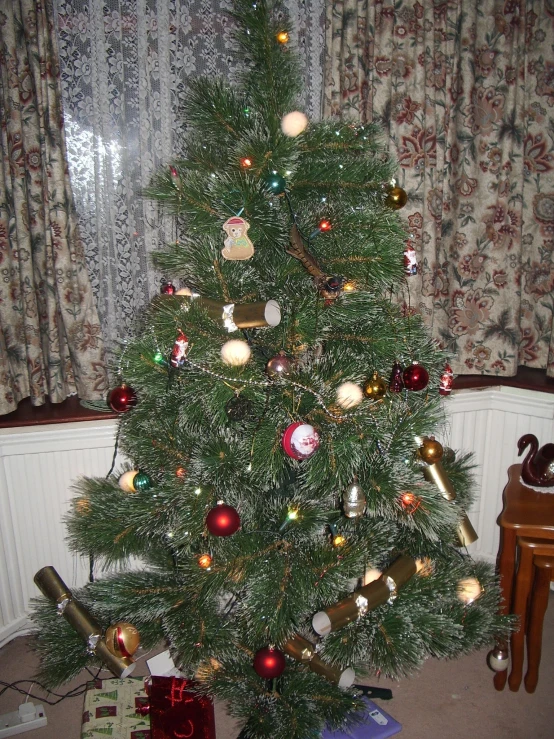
(38, 466)
(489, 422)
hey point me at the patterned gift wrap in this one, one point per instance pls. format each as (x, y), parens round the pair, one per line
(110, 710)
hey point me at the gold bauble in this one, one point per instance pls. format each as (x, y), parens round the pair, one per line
(431, 450)
(122, 639)
(396, 198)
(375, 388)
(469, 589)
(82, 506)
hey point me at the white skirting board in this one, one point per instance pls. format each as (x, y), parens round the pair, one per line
(39, 464)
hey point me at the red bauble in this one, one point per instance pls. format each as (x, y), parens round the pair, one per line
(121, 399)
(415, 377)
(167, 288)
(269, 662)
(300, 440)
(223, 520)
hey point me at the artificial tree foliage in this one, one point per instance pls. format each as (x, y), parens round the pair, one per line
(268, 579)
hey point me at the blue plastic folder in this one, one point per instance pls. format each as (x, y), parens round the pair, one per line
(376, 724)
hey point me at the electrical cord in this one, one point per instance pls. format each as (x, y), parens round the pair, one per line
(73, 693)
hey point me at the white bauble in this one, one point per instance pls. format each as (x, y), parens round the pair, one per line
(293, 123)
(469, 589)
(125, 482)
(498, 659)
(349, 395)
(235, 352)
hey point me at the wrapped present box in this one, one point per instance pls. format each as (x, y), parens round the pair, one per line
(110, 709)
(177, 712)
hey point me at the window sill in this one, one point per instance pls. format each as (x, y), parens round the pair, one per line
(527, 378)
(67, 412)
(71, 410)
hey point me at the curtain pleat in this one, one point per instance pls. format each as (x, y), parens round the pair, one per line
(50, 337)
(465, 92)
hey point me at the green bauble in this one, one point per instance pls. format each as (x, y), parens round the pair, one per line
(142, 481)
(275, 183)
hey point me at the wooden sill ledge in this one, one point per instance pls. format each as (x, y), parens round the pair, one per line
(71, 410)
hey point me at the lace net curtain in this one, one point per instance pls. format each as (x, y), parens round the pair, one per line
(124, 67)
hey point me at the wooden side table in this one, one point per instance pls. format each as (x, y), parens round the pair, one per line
(525, 513)
(544, 573)
(529, 549)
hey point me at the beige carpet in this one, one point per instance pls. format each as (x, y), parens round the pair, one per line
(445, 700)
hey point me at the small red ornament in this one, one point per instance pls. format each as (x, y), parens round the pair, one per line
(246, 162)
(121, 399)
(223, 520)
(396, 383)
(167, 288)
(175, 176)
(179, 351)
(300, 440)
(410, 502)
(180, 472)
(447, 378)
(325, 225)
(269, 662)
(205, 561)
(415, 377)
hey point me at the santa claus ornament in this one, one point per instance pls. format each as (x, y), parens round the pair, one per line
(179, 351)
(300, 440)
(447, 378)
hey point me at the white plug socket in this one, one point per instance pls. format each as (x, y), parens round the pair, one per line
(26, 718)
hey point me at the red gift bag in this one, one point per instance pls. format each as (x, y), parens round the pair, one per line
(178, 713)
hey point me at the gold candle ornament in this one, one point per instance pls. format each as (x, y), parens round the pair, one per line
(428, 449)
(367, 598)
(304, 651)
(466, 533)
(53, 587)
(235, 316)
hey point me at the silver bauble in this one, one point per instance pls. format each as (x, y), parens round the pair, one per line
(353, 501)
(278, 366)
(498, 659)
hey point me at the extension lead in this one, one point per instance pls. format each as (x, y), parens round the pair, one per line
(27, 717)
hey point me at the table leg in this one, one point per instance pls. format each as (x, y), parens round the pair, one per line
(506, 566)
(521, 597)
(539, 604)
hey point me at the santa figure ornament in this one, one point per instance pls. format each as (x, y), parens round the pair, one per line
(179, 351)
(300, 440)
(447, 378)
(410, 260)
(237, 244)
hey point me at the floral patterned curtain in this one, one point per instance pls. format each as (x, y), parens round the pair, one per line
(50, 338)
(124, 67)
(465, 91)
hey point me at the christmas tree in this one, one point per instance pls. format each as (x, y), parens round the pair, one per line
(298, 524)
